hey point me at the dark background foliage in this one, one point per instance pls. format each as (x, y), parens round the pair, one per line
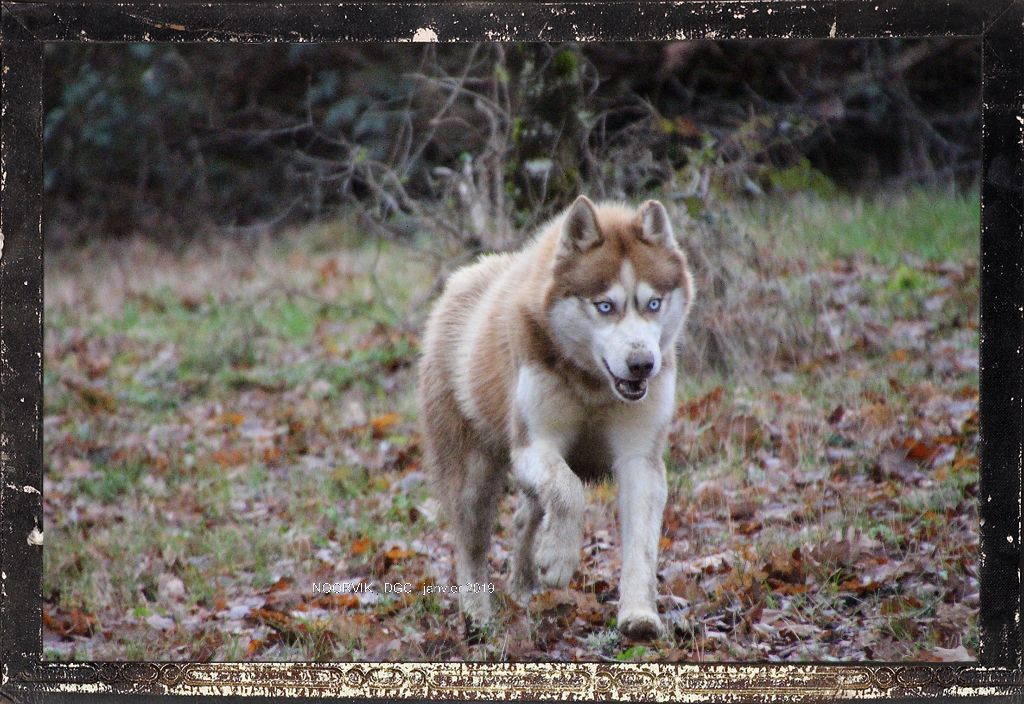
(174, 140)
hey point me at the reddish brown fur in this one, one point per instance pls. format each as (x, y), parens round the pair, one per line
(592, 272)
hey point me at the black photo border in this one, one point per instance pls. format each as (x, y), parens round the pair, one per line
(26, 26)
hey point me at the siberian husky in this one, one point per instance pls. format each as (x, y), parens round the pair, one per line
(558, 361)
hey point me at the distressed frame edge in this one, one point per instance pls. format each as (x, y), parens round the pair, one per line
(21, 278)
(1001, 331)
(532, 681)
(581, 20)
(22, 671)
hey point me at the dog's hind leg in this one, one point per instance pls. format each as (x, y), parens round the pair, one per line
(468, 485)
(524, 570)
(473, 512)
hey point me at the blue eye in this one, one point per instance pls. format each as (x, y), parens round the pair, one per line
(654, 304)
(604, 307)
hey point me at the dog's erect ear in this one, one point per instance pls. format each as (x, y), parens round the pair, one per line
(580, 231)
(655, 227)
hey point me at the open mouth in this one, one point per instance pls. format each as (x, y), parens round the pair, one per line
(629, 389)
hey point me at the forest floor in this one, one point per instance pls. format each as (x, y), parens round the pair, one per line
(230, 423)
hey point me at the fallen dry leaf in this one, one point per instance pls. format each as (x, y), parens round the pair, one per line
(381, 424)
(361, 546)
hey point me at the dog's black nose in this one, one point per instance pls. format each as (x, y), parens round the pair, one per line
(640, 364)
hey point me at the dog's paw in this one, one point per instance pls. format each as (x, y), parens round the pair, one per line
(475, 630)
(557, 567)
(558, 556)
(477, 608)
(522, 585)
(640, 624)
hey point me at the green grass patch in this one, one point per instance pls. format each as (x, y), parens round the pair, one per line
(114, 482)
(932, 225)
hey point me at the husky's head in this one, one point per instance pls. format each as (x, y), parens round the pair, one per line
(621, 292)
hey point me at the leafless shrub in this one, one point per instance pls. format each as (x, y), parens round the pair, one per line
(745, 320)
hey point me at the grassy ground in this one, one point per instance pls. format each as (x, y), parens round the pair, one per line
(229, 424)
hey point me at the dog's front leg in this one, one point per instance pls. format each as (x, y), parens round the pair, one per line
(641, 497)
(545, 477)
(546, 421)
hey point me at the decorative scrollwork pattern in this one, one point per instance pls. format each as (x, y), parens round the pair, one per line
(539, 681)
